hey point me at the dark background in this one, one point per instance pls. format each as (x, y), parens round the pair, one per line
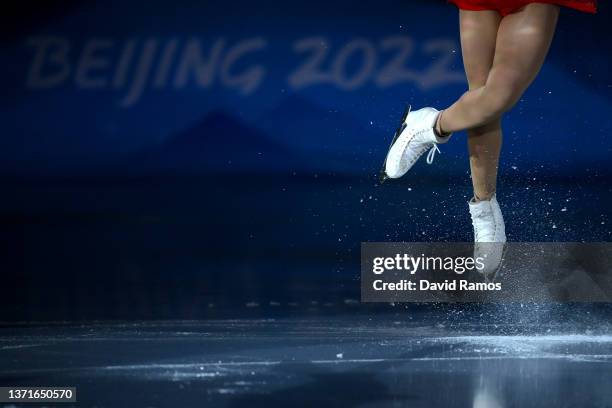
(183, 159)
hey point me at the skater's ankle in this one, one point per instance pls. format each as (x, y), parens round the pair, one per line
(438, 127)
(482, 197)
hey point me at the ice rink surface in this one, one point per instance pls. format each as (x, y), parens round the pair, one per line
(427, 359)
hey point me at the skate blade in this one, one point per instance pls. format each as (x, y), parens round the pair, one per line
(382, 175)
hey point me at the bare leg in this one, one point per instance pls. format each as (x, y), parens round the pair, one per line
(523, 40)
(478, 38)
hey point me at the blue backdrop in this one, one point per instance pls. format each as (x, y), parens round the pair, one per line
(169, 159)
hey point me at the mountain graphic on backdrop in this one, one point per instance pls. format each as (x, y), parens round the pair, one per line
(338, 140)
(306, 125)
(219, 142)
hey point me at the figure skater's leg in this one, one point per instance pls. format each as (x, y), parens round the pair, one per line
(478, 37)
(523, 40)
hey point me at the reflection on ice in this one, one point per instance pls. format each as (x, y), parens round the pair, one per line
(486, 395)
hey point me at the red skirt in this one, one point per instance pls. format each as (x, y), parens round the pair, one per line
(505, 7)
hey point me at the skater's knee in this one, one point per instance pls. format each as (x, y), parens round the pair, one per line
(498, 99)
(502, 91)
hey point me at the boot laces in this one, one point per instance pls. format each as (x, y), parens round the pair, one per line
(432, 152)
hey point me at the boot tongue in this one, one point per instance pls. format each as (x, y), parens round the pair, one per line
(482, 220)
(480, 209)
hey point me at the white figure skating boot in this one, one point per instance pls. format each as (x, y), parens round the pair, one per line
(414, 137)
(489, 235)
